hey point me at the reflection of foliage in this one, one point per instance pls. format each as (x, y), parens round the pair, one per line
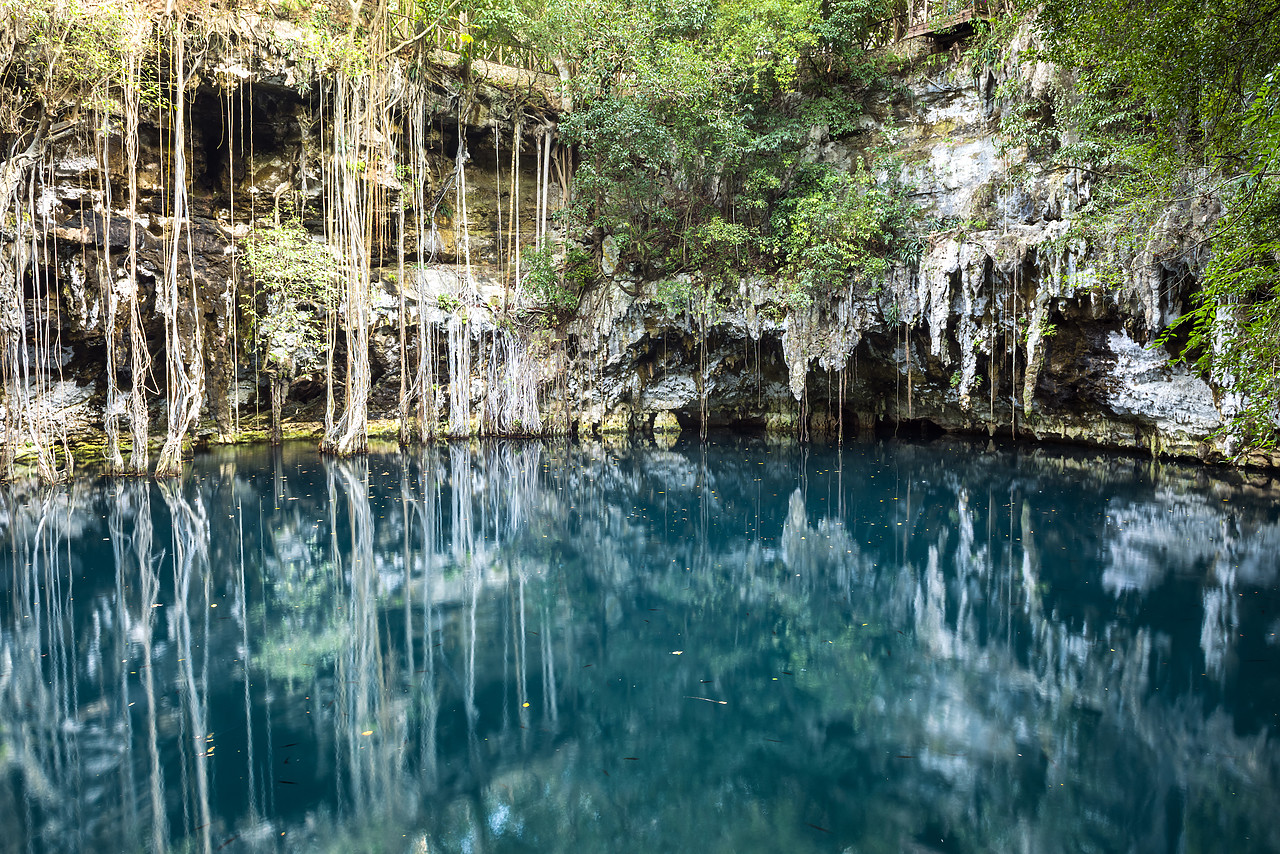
(855, 665)
(299, 656)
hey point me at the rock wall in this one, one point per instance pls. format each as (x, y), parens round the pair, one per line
(1007, 324)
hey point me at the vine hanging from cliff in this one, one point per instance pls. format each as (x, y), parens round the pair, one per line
(184, 357)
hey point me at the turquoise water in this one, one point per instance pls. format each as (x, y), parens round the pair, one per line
(738, 647)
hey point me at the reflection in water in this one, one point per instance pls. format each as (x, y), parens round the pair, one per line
(732, 647)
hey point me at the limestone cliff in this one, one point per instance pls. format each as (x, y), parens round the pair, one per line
(1008, 323)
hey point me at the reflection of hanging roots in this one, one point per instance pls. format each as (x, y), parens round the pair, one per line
(191, 563)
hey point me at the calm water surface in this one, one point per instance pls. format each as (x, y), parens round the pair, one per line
(738, 647)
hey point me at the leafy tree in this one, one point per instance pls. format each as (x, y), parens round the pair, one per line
(1174, 98)
(841, 226)
(686, 118)
(552, 287)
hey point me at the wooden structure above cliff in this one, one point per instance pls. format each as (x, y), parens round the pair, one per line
(945, 19)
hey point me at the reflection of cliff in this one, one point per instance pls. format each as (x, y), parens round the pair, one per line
(1010, 672)
(462, 641)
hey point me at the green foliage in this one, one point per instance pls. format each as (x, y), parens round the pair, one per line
(762, 41)
(556, 287)
(295, 284)
(687, 121)
(841, 226)
(1025, 123)
(892, 313)
(579, 270)
(717, 247)
(674, 295)
(448, 303)
(348, 38)
(1233, 330)
(839, 116)
(683, 294)
(845, 31)
(74, 51)
(330, 45)
(988, 47)
(1163, 71)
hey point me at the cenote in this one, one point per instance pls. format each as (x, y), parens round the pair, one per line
(733, 647)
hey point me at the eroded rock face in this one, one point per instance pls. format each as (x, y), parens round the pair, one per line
(257, 153)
